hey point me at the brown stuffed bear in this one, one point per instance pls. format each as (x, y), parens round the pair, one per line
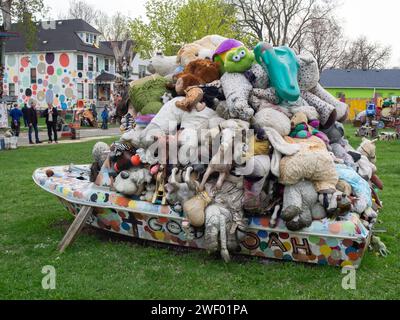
(196, 73)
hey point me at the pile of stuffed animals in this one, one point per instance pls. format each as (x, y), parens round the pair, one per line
(221, 132)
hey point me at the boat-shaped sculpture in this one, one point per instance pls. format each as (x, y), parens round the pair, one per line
(327, 242)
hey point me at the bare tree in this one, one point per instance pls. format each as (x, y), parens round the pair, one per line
(281, 22)
(79, 9)
(118, 28)
(365, 55)
(102, 23)
(115, 28)
(325, 41)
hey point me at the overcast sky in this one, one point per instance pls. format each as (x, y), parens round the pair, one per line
(377, 19)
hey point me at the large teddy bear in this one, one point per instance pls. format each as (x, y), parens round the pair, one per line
(196, 73)
(200, 49)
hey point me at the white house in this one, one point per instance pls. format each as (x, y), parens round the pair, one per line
(139, 67)
(67, 66)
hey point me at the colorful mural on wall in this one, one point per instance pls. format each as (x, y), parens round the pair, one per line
(50, 77)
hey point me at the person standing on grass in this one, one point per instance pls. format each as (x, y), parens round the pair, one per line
(51, 115)
(16, 116)
(32, 119)
(104, 117)
(25, 114)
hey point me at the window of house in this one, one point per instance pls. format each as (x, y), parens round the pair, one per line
(11, 89)
(107, 64)
(97, 64)
(80, 91)
(91, 91)
(33, 76)
(87, 37)
(80, 62)
(142, 71)
(90, 63)
(95, 39)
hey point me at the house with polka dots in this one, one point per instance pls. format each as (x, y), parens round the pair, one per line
(62, 66)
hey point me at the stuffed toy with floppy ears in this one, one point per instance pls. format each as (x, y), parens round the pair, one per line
(196, 73)
(282, 66)
(233, 57)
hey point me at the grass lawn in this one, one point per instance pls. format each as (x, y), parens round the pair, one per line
(100, 267)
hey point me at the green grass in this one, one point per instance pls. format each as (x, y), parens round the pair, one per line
(100, 267)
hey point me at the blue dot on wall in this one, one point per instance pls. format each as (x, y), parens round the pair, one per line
(64, 106)
(80, 75)
(65, 71)
(40, 81)
(49, 96)
(62, 98)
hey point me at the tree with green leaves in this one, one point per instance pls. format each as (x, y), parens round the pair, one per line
(25, 13)
(177, 22)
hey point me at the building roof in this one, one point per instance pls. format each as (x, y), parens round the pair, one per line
(105, 77)
(63, 38)
(374, 79)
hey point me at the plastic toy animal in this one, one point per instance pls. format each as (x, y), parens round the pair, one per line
(282, 67)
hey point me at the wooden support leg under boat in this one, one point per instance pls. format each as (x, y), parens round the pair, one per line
(75, 228)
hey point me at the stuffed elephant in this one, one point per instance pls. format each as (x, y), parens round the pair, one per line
(301, 206)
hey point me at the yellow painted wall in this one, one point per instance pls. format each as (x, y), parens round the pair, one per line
(356, 106)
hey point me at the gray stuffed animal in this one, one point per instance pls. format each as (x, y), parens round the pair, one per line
(179, 193)
(237, 89)
(301, 206)
(225, 220)
(133, 182)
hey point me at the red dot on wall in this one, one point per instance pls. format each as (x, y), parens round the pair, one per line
(64, 60)
(21, 70)
(34, 93)
(34, 87)
(50, 70)
(15, 79)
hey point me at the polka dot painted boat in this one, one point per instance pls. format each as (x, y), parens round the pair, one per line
(327, 242)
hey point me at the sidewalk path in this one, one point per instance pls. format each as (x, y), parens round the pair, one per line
(86, 135)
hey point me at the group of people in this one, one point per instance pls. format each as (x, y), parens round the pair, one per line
(29, 115)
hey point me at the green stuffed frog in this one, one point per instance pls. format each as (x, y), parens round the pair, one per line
(234, 57)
